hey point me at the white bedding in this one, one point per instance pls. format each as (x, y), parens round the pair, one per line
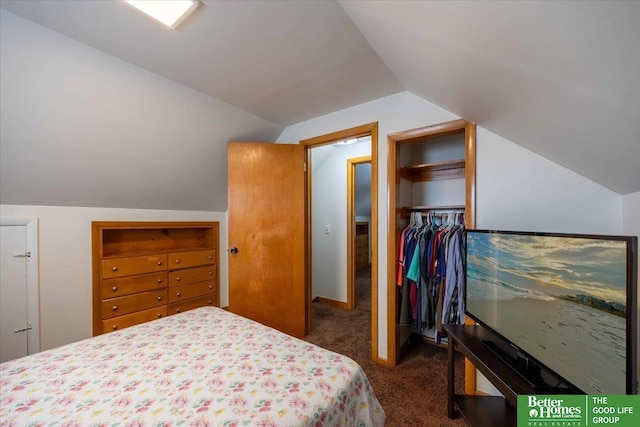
(202, 367)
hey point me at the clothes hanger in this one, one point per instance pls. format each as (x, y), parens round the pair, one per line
(419, 222)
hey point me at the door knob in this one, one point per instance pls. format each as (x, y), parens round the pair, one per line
(233, 250)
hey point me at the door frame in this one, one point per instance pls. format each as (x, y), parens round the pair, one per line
(358, 131)
(33, 278)
(351, 222)
(394, 140)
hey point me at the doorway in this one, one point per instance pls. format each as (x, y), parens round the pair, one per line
(325, 228)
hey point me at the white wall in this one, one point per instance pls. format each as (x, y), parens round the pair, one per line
(65, 262)
(363, 189)
(631, 214)
(631, 227)
(520, 190)
(98, 131)
(516, 189)
(329, 207)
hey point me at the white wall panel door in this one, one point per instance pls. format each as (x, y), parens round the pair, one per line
(13, 293)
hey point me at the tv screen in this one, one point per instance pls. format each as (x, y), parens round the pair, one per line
(567, 301)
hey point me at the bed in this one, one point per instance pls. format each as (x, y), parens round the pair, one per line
(202, 367)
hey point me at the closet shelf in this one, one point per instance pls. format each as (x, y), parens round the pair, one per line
(450, 169)
(408, 209)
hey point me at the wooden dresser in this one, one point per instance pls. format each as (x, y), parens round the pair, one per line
(146, 270)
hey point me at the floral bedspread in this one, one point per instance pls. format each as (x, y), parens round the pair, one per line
(205, 367)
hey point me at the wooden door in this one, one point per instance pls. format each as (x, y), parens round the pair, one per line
(14, 319)
(267, 235)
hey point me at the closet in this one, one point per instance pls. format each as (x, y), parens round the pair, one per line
(432, 187)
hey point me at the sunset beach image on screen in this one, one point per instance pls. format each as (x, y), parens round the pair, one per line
(563, 300)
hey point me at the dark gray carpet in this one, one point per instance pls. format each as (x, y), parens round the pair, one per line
(413, 394)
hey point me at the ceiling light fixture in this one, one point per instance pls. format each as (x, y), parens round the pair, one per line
(169, 12)
(350, 141)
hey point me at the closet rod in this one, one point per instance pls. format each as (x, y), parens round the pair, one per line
(443, 213)
(408, 209)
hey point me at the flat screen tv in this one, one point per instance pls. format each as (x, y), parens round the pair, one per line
(562, 303)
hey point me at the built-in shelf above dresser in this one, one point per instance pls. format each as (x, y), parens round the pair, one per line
(146, 270)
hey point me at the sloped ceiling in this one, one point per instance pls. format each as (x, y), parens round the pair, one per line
(558, 78)
(285, 61)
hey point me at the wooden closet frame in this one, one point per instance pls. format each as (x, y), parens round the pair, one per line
(409, 136)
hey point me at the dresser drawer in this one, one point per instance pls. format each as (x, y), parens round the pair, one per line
(119, 267)
(118, 287)
(192, 275)
(184, 292)
(191, 259)
(124, 305)
(121, 322)
(180, 307)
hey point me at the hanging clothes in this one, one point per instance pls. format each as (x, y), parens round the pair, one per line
(431, 272)
(454, 305)
(405, 318)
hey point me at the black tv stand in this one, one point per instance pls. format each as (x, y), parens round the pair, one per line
(527, 369)
(488, 410)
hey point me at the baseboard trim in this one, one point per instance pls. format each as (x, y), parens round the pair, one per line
(383, 361)
(333, 303)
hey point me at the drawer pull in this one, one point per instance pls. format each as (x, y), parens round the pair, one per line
(114, 289)
(209, 257)
(159, 315)
(115, 327)
(159, 262)
(159, 298)
(210, 287)
(177, 294)
(159, 280)
(114, 308)
(210, 273)
(114, 268)
(177, 261)
(209, 302)
(177, 279)
(177, 310)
